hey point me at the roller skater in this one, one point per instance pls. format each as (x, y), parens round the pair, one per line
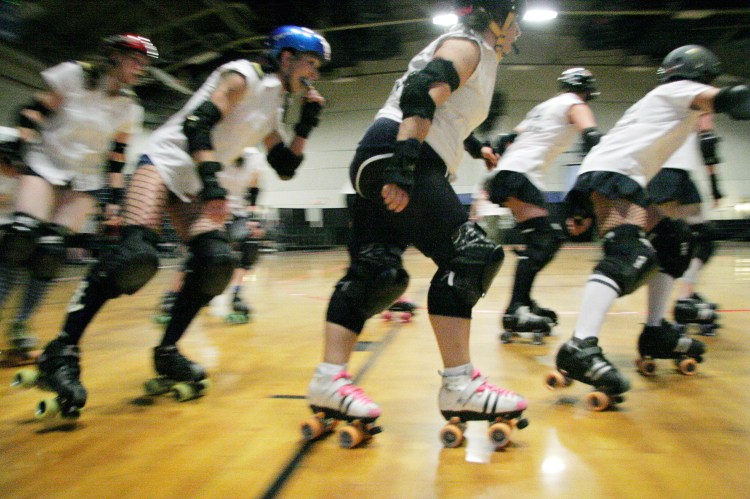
(58, 370)
(697, 312)
(518, 184)
(401, 171)
(177, 374)
(583, 360)
(237, 106)
(668, 341)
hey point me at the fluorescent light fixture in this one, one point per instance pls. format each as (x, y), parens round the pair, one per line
(539, 14)
(448, 19)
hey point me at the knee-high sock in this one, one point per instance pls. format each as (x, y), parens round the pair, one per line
(9, 278)
(36, 290)
(659, 291)
(185, 308)
(598, 297)
(88, 299)
(691, 274)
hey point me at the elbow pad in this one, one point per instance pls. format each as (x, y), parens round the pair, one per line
(735, 101)
(198, 125)
(415, 97)
(283, 161)
(591, 137)
(503, 141)
(708, 142)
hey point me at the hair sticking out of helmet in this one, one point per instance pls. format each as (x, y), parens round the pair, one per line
(130, 42)
(689, 62)
(297, 39)
(580, 81)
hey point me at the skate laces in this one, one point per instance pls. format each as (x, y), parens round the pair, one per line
(485, 386)
(348, 389)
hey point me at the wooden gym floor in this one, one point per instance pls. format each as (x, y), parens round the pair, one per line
(674, 436)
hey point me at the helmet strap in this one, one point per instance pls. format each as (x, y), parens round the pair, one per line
(500, 33)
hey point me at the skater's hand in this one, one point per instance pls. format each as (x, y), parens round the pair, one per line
(216, 210)
(578, 225)
(490, 158)
(395, 198)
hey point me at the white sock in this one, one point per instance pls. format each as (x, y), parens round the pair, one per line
(599, 294)
(463, 370)
(691, 274)
(330, 370)
(659, 291)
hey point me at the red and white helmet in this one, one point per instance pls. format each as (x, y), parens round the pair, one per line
(132, 42)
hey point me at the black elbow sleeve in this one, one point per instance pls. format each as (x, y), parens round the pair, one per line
(198, 125)
(415, 97)
(283, 161)
(735, 101)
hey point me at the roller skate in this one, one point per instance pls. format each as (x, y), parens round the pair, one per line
(178, 375)
(668, 341)
(468, 397)
(164, 312)
(697, 312)
(21, 348)
(546, 313)
(584, 361)
(241, 311)
(58, 370)
(404, 310)
(520, 321)
(333, 399)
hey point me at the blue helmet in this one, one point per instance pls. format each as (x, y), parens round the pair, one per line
(298, 39)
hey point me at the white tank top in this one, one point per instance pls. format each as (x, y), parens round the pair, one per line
(256, 116)
(546, 132)
(688, 156)
(77, 139)
(648, 133)
(464, 110)
(236, 178)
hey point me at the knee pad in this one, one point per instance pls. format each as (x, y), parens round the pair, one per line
(475, 263)
(249, 253)
(49, 254)
(19, 239)
(704, 235)
(542, 239)
(673, 242)
(376, 278)
(128, 266)
(210, 264)
(629, 259)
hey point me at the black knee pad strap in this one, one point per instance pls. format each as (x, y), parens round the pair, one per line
(629, 259)
(542, 239)
(704, 235)
(18, 239)
(249, 253)
(50, 252)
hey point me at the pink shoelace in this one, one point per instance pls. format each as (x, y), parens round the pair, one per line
(488, 386)
(349, 390)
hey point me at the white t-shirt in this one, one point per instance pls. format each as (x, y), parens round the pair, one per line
(236, 178)
(688, 156)
(648, 133)
(546, 132)
(76, 140)
(464, 110)
(256, 116)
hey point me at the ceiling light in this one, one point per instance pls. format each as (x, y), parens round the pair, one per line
(539, 14)
(447, 19)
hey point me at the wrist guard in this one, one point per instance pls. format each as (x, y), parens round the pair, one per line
(211, 189)
(308, 119)
(715, 192)
(400, 170)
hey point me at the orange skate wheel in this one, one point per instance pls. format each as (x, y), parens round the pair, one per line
(312, 428)
(688, 366)
(597, 401)
(556, 379)
(647, 367)
(406, 317)
(351, 436)
(387, 316)
(499, 434)
(451, 435)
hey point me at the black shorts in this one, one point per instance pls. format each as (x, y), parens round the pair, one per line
(611, 185)
(434, 211)
(672, 184)
(506, 184)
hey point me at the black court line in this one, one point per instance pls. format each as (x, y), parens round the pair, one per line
(274, 489)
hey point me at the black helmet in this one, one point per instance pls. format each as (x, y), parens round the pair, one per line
(578, 80)
(689, 62)
(497, 9)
